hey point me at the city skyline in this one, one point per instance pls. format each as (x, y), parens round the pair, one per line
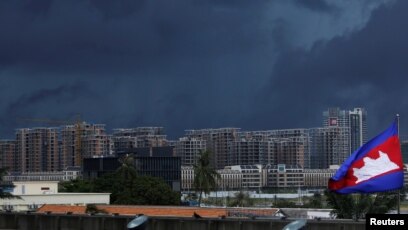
(258, 65)
(47, 123)
(52, 149)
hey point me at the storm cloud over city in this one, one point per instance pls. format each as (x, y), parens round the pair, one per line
(191, 64)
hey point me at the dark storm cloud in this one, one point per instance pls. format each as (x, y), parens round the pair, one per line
(317, 5)
(62, 94)
(367, 68)
(37, 6)
(180, 64)
(118, 8)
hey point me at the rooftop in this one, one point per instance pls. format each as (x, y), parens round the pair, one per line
(164, 211)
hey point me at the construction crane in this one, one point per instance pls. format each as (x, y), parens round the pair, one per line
(78, 124)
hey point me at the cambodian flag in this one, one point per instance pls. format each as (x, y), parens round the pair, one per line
(374, 167)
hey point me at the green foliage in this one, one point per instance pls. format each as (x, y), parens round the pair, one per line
(284, 203)
(242, 199)
(355, 206)
(92, 209)
(127, 170)
(315, 201)
(348, 206)
(4, 185)
(142, 190)
(154, 191)
(127, 188)
(204, 175)
(219, 201)
(76, 185)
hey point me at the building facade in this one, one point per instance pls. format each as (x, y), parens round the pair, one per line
(229, 179)
(37, 149)
(140, 137)
(83, 140)
(283, 176)
(154, 161)
(328, 146)
(317, 178)
(8, 155)
(404, 150)
(355, 120)
(248, 151)
(291, 147)
(70, 173)
(251, 175)
(218, 142)
(189, 149)
(35, 194)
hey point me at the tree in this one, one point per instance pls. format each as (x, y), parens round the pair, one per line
(126, 174)
(355, 206)
(315, 201)
(242, 199)
(76, 185)
(127, 169)
(204, 175)
(284, 203)
(126, 187)
(4, 186)
(154, 191)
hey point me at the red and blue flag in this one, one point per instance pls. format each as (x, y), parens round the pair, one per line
(376, 166)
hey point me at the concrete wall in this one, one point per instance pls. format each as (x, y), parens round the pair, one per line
(76, 222)
(35, 187)
(26, 201)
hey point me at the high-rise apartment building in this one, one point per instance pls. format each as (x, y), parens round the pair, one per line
(37, 149)
(404, 150)
(140, 137)
(290, 147)
(85, 140)
(286, 146)
(328, 146)
(355, 120)
(249, 151)
(96, 145)
(218, 142)
(123, 143)
(189, 149)
(8, 155)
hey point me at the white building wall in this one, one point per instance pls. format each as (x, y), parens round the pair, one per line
(35, 187)
(32, 202)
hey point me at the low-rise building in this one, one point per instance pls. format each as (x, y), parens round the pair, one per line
(150, 161)
(317, 178)
(70, 173)
(187, 178)
(34, 194)
(229, 179)
(251, 175)
(283, 176)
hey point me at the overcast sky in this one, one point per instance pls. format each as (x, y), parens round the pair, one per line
(190, 64)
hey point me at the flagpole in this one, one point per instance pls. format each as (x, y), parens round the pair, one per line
(399, 193)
